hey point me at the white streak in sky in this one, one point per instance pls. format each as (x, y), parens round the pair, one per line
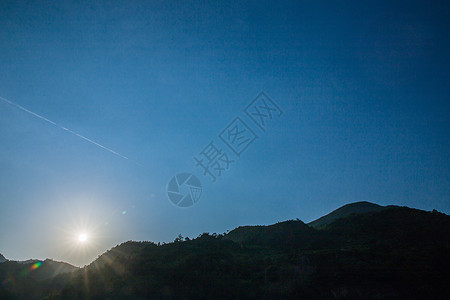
(62, 127)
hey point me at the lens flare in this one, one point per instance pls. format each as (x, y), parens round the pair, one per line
(36, 265)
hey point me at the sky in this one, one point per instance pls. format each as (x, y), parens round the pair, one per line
(104, 102)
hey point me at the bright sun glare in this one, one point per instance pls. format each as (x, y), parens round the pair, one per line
(82, 237)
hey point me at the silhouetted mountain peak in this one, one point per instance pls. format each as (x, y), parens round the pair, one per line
(2, 258)
(366, 251)
(120, 252)
(283, 234)
(28, 261)
(346, 210)
(58, 267)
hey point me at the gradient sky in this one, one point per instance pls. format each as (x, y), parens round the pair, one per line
(363, 85)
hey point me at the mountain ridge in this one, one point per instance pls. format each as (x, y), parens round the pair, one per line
(346, 210)
(395, 252)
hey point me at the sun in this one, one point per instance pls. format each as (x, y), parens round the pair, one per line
(82, 238)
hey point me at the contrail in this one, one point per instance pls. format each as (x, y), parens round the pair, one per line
(63, 128)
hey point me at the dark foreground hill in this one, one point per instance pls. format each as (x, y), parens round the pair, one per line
(21, 279)
(393, 253)
(346, 210)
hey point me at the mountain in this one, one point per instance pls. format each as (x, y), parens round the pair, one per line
(283, 234)
(42, 269)
(393, 253)
(346, 210)
(28, 261)
(22, 280)
(51, 268)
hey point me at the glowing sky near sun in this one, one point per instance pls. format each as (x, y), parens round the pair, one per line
(363, 86)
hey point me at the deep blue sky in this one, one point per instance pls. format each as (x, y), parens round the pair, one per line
(363, 85)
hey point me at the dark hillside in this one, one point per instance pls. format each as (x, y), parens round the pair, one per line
(394, 253)
(346, 210)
